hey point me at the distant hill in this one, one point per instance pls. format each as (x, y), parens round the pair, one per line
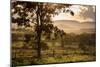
(70, 26)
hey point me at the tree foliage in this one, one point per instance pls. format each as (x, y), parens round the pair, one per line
(38, 13)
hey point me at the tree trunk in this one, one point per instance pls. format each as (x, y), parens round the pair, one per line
(62, 44)
(39, 43)
(39, 31)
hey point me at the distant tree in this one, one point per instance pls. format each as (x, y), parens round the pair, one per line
(38, 13)
(87, 40)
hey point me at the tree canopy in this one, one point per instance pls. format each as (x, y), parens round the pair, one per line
(38, 13)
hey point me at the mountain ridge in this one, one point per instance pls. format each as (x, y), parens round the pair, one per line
(72, 26)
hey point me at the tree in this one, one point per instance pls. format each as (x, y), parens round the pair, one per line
(38, 13)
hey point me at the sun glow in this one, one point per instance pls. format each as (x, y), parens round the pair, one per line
(77, 9)
(66, 16)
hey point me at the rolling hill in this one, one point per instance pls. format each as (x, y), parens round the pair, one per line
(70, 26)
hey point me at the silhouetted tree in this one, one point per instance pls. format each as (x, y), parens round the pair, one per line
(38, 13)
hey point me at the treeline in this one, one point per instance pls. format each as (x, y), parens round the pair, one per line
(84, 38)
(67, 39)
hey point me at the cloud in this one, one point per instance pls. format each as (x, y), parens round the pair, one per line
(88, 13)
(83, 13)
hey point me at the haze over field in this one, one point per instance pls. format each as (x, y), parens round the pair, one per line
(70, 26)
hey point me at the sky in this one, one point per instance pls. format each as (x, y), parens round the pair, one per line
(82, 21)
(82, 14)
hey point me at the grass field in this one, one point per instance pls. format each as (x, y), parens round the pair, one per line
(71, 53)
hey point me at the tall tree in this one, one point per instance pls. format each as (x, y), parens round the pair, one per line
(38, 13)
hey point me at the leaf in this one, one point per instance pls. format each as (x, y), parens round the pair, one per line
(72, 13)
(68, 10)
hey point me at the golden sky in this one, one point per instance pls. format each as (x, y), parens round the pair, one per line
(78, 22)
(82, 14)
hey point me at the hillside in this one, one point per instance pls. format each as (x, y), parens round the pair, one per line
(70, 26)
